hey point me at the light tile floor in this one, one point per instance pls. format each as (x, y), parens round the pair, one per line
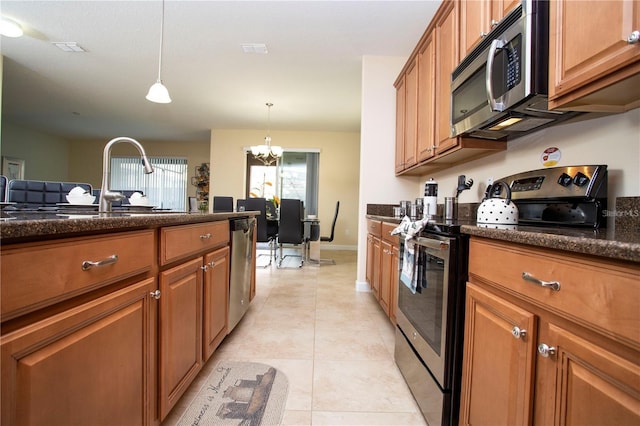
(335, 345)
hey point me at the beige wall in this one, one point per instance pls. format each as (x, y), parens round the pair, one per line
(339, 169)
(46, 156)
(85, 157)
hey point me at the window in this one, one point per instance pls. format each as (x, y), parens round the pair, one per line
(166, 187)
(295, 175)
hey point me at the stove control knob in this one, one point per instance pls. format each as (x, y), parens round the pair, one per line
(580, 179)
(564, 179)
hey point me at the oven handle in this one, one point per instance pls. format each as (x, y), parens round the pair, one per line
(432, 244)
(495, 106)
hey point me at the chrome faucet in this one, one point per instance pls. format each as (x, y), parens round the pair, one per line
(106, 195)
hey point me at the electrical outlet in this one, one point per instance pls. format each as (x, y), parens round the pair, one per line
(489, 181)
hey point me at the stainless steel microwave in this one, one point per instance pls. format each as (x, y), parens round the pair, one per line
(499, 91)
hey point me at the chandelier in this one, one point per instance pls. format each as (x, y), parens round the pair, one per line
(266, 153)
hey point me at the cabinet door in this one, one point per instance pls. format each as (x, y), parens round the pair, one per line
(426, 100)
(216, 300)
(376, 277)
(474, 23)
(411, 115)
(400, 118)
(498, 367)
(180, 337)
(447, 59)
(582, 383)
(589, 54)
(90, 365)
(385, 276)
(369, 269)
(395, 280)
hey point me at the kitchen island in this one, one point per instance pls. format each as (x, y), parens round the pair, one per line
(107, 318)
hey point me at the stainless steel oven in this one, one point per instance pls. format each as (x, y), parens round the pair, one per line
(430, 323)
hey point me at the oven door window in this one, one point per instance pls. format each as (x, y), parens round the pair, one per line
(426, 308)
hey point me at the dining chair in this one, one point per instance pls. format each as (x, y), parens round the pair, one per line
(330, 237)
(291, 228)
(222, 204)
(3, 188)
(265, 232)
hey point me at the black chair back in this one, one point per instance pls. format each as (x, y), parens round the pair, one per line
(222, 204)
(36, 193)
(3, 188)
(291, 228)
(259, 204)
(333, 225)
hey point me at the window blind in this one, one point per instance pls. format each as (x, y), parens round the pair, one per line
(166, 187)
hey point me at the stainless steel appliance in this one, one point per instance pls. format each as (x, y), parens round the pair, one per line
(499, 91)
(240, 268)
(568, 196)
(430, 322)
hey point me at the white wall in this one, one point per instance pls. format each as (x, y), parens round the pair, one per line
(378, 184)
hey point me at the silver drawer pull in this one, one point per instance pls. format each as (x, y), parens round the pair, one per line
(155, 294)
(546, 350)
(205, 236)
(518, 332)
(88, 264)
(553, 285)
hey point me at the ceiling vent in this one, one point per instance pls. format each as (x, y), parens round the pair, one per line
(259, 48)
(68, 46)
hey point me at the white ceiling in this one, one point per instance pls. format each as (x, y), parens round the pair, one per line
(311, 74)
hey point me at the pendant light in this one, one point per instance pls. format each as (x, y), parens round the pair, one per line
(267, 153)
(158, 92)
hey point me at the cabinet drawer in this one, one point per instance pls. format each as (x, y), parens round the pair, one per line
(604, 295)
(374, 227)
(386, 233)
(177, 242)
(38, 275)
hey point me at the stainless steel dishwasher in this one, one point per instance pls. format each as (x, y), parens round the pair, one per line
(241, 263)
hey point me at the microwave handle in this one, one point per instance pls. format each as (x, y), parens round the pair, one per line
(495, 106)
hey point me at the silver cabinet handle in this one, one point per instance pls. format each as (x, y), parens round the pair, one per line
(546, 350)
(205, 268)
(155, 294)
(88, 264)
(518, 333)
(212, 264)
(494, 23)
(553, 285)
(205, 236)
(634, 37)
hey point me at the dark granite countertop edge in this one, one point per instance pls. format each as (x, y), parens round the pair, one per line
(612, 249)
(45, 229)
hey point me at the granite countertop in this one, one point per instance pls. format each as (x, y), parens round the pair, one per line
(621, 243)
(34, 226)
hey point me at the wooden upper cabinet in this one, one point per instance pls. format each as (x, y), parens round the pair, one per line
(411, 115)
(400, 117)
(478, 17)
(426, 99)
(447, 59)
(592, 65)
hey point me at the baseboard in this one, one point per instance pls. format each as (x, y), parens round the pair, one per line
(363, 286)
(338, 247)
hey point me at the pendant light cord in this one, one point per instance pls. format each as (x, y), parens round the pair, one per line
(161, 41)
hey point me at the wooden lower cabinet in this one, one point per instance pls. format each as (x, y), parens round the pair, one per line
(180, 331)
(193, 321)
(57, 371)
(215, 296)
(498, 371)
(382, 265)
(537, 355)
(584, 383)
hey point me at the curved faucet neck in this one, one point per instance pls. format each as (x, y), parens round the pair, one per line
(106, 195)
